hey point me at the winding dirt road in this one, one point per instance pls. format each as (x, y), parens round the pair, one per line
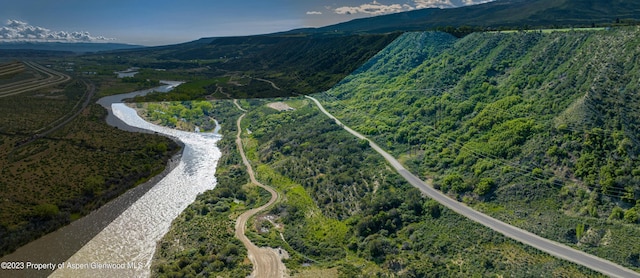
(270, 82)
(266, 262)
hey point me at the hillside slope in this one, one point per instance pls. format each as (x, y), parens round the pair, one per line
(300, 64)
(481, 115)
(539, 130)
(343, 212)
(497, 14)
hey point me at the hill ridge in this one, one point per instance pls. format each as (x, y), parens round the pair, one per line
(498, 14)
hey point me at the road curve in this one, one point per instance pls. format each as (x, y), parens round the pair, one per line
(52, 78)
(270, 82)
(266, 263)
(551, 247)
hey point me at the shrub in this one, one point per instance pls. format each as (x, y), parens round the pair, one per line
(631, 215)
(484, 186)
(617, 213)
(455, 183)
(46, 211)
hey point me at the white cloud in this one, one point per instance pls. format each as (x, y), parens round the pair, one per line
(314, 13)
(475, 2)
(423, 4)
(376, 8)
(373, 8)
(16, 30)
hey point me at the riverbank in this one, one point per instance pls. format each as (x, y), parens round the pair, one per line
(131, 238)
(60, 245)
(208, 223)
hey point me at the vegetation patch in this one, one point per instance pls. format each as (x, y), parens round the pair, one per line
(38, 195)
(368, 222)
(201, 241)
(241, 66)
(535, 128)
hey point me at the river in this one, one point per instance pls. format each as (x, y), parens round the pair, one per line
(132, 224)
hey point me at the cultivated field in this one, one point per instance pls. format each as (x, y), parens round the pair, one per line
(42, 77)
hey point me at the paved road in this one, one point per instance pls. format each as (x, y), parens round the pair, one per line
(556, 249)
(266, 262)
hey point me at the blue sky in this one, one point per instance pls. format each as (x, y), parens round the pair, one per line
(173, 21)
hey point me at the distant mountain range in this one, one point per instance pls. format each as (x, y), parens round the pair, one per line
(497, 14)
(316, 58)
(80, 47)
(509, 14)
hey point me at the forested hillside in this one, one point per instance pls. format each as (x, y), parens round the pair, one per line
(300, 64)
(538, 129)
(343, 213)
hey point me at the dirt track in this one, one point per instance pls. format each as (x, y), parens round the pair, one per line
(11, 68)
(266, 262)
(59, 123)
(48, 77)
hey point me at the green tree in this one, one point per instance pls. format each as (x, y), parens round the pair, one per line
(432, 208)
(579, 231)
(631, 215)
(455, 183)
(616, 213)
(484, 186)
